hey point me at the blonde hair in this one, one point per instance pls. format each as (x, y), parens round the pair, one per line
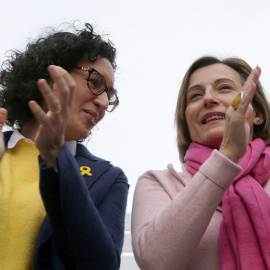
(259, 101)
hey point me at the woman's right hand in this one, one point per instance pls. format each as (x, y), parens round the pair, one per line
(239, 122)
(53, 116)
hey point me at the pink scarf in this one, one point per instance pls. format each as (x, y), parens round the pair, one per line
(245, 229)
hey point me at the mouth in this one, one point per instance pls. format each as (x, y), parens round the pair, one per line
(212, 117)
(92, 116)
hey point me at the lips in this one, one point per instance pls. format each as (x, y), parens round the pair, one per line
(212, 116)
(92, 115)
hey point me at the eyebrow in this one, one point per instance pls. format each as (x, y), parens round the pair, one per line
(216, 81)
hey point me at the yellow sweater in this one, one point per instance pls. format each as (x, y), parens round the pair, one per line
(21, 209)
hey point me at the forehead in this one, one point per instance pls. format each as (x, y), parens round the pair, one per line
(103, 66)
(210, 74)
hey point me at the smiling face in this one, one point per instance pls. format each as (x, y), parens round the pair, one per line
(210, 92)
(88, 109)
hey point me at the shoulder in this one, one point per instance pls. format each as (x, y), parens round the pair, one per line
(169, 174)
(82, 154)
(168, 179)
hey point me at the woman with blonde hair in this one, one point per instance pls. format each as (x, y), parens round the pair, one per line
(215, 213)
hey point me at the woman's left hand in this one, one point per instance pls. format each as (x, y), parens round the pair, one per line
(54, 115)
(237, 126)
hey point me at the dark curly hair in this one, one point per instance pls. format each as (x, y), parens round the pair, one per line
(21, 71)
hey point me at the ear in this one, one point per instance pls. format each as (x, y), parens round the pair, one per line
(258, 118)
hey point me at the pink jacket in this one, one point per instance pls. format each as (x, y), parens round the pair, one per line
(176, 217)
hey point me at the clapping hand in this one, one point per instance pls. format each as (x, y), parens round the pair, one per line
(53, 116)
(238, 121)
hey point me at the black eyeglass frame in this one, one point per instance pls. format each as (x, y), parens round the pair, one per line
(105, 89)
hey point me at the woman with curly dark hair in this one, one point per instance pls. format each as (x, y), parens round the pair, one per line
(61, 207)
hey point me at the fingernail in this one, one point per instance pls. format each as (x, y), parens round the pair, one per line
(51, 67)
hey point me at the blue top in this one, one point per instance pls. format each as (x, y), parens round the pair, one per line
(85, 204)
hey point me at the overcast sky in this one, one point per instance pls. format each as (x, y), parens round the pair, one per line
(156, 42)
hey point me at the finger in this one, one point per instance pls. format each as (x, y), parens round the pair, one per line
(38, 112)
(258, 69)
(249, 113)
(237, 99)
(249, 90)
(254, 76)
(51, 100)
(64, 84)
(3, 117)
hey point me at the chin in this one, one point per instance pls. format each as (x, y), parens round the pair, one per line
(213, 142)
(78, 136)
(83, 136)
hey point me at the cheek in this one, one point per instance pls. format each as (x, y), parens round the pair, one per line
(190, 123)
(101, 115)
(73, 109)
(190, 114)
(78, 101)
(187, 113)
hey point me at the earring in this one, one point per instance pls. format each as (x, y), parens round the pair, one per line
(259, 122)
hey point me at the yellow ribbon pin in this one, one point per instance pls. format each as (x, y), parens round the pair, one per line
(85, 170)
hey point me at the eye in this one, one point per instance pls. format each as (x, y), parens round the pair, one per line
(225, 87)
(93, 83)
(96, 82)
(194, 96)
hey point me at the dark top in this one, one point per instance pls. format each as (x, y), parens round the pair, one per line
(85, 204)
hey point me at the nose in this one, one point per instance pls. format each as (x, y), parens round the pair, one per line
(101, 101)
(210, 99)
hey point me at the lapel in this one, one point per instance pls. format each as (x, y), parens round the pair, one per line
(85, 160)
(7, 135)
(91, 167)
(97, 168)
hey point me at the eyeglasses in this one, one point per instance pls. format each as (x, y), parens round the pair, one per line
(97, 85)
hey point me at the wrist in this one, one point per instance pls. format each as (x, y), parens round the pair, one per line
(50, 160)
(230, 155)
